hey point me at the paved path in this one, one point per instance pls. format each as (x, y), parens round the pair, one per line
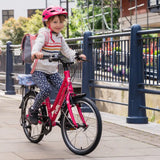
(120, 141)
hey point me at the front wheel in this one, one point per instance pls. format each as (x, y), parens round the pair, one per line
(82, 139)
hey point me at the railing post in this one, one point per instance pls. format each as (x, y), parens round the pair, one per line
(136, 114)
(9, 69)
(158, 67)
(88, 67)
(27, 68)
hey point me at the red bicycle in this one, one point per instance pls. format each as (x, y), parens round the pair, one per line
(78, 116)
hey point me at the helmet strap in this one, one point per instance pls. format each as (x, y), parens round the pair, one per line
(51, 33)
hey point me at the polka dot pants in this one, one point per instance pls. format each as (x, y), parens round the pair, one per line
(44, 82)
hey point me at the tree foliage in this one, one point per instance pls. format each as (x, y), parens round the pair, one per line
(14, 30)
(82, 16)
(35, 23)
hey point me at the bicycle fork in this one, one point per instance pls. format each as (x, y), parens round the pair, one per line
(69, 106)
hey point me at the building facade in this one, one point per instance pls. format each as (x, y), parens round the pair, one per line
(25, 8)
(136, 12)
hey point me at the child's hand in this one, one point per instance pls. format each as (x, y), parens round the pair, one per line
(83, 57)
(37, 55)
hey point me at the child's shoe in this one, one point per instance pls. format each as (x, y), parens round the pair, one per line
(33, 116)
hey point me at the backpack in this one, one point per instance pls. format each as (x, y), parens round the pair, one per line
(26, 46)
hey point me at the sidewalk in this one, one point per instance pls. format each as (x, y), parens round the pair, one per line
(120, 141)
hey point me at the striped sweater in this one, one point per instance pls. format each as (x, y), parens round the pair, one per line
(45, 45)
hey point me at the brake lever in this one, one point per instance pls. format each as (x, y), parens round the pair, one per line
(80, 59)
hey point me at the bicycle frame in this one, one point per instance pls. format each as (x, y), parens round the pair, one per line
(66, 90)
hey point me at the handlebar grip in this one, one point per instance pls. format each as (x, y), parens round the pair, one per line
(79, 58)
(46, 56)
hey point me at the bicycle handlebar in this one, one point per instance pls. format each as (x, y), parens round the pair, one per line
(60, 57)
(51, 58)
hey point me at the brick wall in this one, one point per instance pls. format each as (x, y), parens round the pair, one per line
(126, 4)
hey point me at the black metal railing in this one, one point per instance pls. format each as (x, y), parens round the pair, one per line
(129, 58)
(111, 59)
(151, 54)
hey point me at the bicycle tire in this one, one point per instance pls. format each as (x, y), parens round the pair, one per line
(34, 133)
(73, 136)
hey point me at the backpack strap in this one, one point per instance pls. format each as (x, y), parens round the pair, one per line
(46, 34)
(22, 47)
(34, 66)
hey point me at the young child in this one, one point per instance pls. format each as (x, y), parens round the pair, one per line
(48, 41)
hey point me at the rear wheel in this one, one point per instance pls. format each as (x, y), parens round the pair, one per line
(33, 132)
(85, 138)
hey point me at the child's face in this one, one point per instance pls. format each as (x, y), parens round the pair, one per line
(56, 25)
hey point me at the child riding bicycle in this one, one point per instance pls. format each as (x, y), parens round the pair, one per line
(48, 41)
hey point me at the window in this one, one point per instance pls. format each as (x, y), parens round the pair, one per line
(32, 11)
(6, 14)
(153, 3)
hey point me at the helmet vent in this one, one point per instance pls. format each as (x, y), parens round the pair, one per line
(49, 8)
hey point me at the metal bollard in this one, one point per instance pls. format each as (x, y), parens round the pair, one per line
(88, 68)
(9, 70)
(136, 114)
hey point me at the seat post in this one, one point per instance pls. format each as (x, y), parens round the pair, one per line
(65, 66)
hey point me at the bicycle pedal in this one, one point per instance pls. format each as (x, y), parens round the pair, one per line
(70, 126)
(71, 129)
(46, 131)
(58, 124)
(47, 126)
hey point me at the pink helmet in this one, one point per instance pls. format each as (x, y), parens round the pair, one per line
(53, 11)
